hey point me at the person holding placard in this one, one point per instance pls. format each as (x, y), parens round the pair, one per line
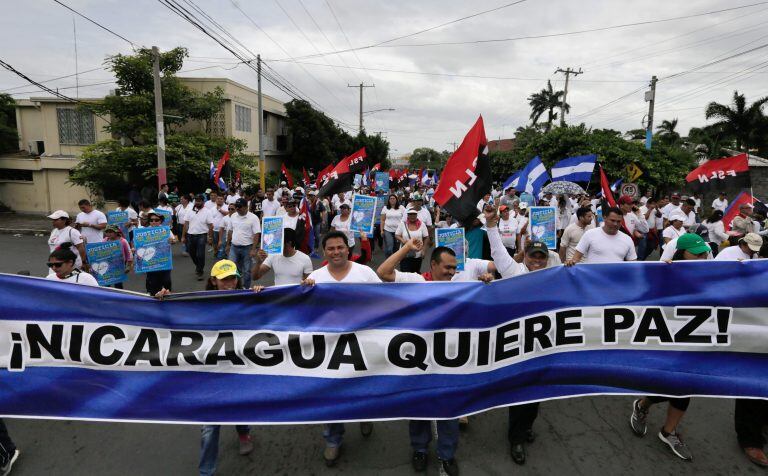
(161, 278)
(343, 222)
(113, 233)
(243, 239)
(290, 267)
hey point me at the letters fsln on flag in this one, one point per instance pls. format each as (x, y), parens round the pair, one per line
(466, 176)
(721, 173)
(341, 177)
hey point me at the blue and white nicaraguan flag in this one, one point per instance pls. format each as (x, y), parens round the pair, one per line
(511, 181)
(362, 352)
(575, 169)
(533, 177)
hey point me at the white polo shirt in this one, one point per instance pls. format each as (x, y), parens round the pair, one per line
(243, 228)
(198, 221)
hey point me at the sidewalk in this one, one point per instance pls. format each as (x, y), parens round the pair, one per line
(17, 223)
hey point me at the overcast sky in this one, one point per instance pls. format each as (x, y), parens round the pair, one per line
(430, 110)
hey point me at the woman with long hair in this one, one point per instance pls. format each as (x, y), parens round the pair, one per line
(716, 230)
(391, 217)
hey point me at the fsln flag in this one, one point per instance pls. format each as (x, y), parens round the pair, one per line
(222, 162)
(376, 167)
(575, 169)
(341, 177)
(221, 184)
(307, 181)
(720, 173)
(606, 189)
(286, 176)
(511, 181)
(533, 177)
(307, 244)
(466, 176)
(323, 175)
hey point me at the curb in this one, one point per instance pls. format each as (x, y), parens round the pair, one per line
(22, 231)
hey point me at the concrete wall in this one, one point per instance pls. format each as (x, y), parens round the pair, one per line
(49, 189)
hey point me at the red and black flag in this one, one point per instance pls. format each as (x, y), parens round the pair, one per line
(321, 177)
(376, 167)
(466, 176)
(285, 176)
(721, 173)
(341, 177)
(220, 167)
(606, 187)
(306, 177)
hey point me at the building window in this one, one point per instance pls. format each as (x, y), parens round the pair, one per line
(242, 118)
(75, 126)
(217, 125)
(15, 175)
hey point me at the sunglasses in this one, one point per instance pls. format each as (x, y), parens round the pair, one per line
(54, 265)
(155, 220)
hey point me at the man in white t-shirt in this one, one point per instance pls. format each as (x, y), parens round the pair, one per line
(745, 248)
(211, 202)
(90, 222)
(339, 270)
(720, 203)
(243, 239)
(674, 204)
(270, 205)
(197, 231)
(606, 244)
(217, 216)
(232, 196)
(291, 267)
(573, 232)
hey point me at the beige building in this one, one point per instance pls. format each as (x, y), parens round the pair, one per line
(54, 132)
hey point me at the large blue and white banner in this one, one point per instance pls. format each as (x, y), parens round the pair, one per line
(346, 352)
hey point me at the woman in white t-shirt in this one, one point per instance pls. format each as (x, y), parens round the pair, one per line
(342, 223)
(412, 227)
(62, 233)
(62, 265)
(391, 217)
(508, 229)
(716, 230)
(675, 228)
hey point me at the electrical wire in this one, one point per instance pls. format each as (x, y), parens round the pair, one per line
(95, 23)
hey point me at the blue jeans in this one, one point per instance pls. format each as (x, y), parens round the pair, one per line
(209, 447)
(447, 437)
(333, 434)
(241, 256)
(196, 244)
(218, 251)
(390, 243)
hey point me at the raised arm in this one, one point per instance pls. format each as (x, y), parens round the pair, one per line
(386, 269)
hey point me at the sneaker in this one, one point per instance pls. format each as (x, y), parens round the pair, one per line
(638, 420)
(246, 444)
(676, 445)
(331, 455)
(451, 467)
(419, 461)
(366, 428)
(517, 451)
(6, 470)
(463, 423)
(530, 436)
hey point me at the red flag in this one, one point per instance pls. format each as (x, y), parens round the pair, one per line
(223, 160)
(322, 175)
(733, 208)
(719, 173)
(418, 176)
(376, 167)
(286, 176)
(466, 176)
(306, 177)
(340, 178)
(606, 186)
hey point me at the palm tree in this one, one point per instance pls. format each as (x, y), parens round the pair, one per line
(546, 100)
(635, 134)
(667, 131)
(740, 123)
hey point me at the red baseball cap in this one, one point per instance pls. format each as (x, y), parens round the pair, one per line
(625, 199)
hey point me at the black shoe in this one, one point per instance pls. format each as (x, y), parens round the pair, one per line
(530, 436)
(419, 461)
(366, 428)
(199, 276)
(451, 467)
(518, 453)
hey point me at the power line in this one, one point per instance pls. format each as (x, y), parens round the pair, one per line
(54, 79)
(66, 87)
(531, 37)
(95, 23)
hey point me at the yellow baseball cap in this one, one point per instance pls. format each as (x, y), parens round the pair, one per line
(224, 269)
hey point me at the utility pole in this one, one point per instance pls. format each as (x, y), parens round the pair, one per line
(568, 72)
(361, 86)
(262, 158)
(454, 144)
(650, 98)
(161, 169)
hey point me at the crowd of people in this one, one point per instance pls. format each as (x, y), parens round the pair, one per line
(227, 226)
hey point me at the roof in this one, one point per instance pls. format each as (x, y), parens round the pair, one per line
(229, 81)
(754, 160)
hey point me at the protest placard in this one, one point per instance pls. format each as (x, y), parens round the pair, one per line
(107, 263)
(167, 216)
(543, 226)
(453, 238)
(382, 182)
(153, 249)
(121, 219)
(272, 235)
(599, 215)
(363, 214)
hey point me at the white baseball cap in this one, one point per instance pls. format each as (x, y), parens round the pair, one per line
(58, 214)
(677, 215)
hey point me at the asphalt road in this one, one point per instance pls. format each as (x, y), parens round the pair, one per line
(575, 436)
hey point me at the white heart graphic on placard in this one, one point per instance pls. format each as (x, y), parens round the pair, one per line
(358, 216)
(268, 239)
(101, 268)
(146, 253)
(538, 231)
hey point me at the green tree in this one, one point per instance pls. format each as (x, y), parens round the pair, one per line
(741, 123)
(546, 100)
(708, 140)
(9, 136)
(667, 133)
(109, 167)
(424, 157)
